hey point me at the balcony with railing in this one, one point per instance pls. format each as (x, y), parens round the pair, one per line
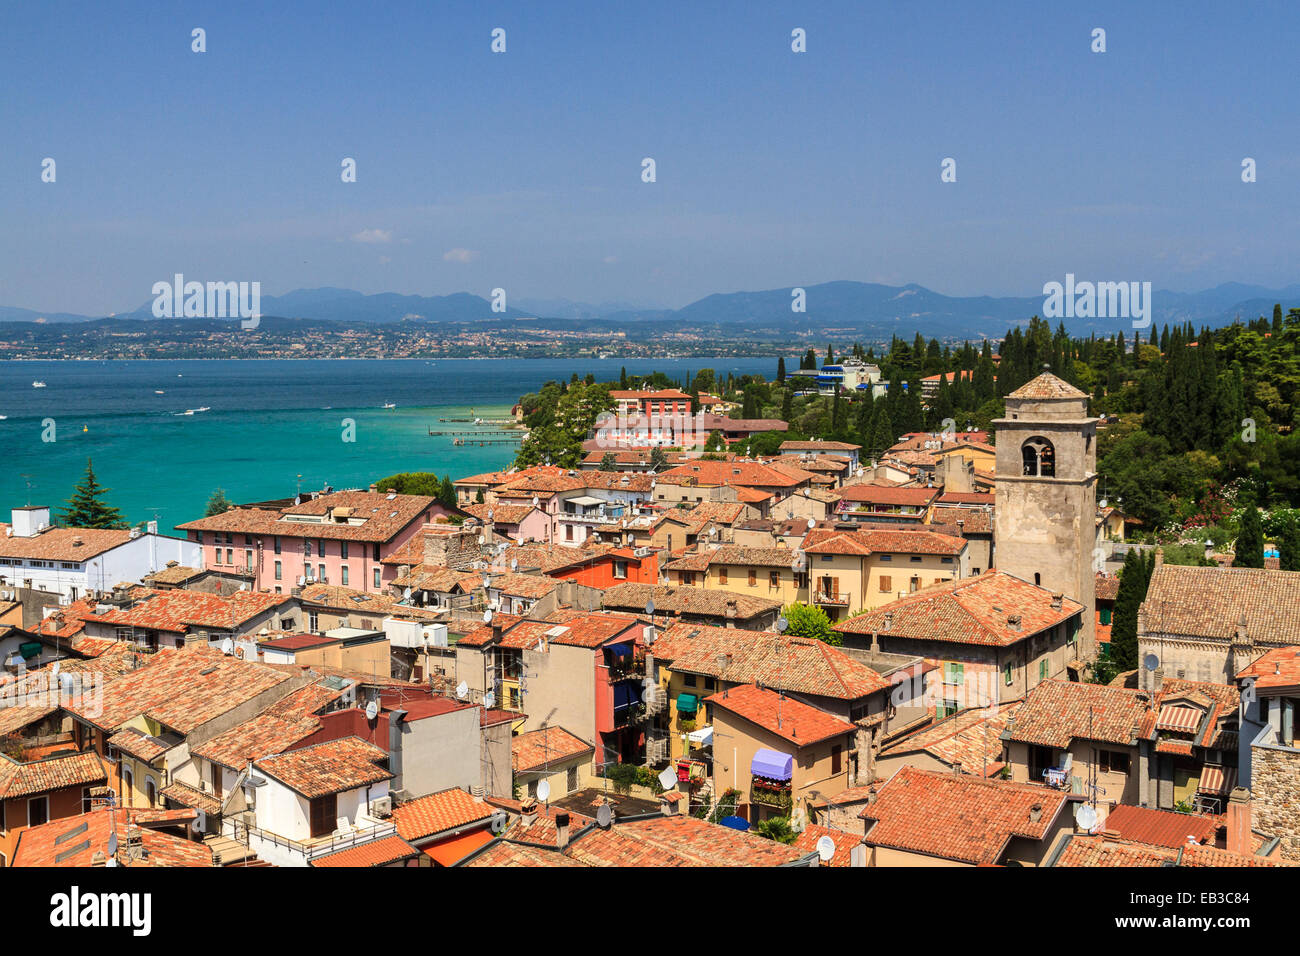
(830, 598)
(775, 794)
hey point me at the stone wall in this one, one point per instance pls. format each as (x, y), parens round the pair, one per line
(1275, 792)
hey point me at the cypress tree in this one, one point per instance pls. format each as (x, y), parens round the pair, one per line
(780, 370)
(1123, 630)
(1250, 540)
(1289, 544)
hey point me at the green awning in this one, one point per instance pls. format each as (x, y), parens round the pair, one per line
(30, 649)
(687, 703)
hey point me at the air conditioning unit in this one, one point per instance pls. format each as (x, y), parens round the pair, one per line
(382, 807)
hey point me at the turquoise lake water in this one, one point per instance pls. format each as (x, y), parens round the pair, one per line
(268, 423)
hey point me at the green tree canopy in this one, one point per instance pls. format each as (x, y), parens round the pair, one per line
(803, 620)
(87, 508)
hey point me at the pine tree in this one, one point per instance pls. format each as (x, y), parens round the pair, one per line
(86, 507)
(218, 504)
(1250, 540)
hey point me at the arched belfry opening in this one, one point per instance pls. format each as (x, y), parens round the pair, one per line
(1038, 457)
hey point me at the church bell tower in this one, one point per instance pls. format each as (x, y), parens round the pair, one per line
(1046, 493)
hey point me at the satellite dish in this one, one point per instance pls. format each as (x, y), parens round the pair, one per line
(1085, 816)
(650, 606)
(462, 690)
(514, 564)
(812, 522)
(112, 843)
(487, 616)
(1150, 662)
(781, 624)
(544, 791)
(372, 710)
(227, 646)
(604, 816)
(668, 778)
(489, 699)
(825, 849)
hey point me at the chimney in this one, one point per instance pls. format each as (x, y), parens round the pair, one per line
(373, 488)
(1013, 621)
(561, 830)
(1238, 820)
(1158, 679)
(875, 641)
(956, 766)
(1036, 813)
(1160, 556)
(528, 811)
(1056, 601)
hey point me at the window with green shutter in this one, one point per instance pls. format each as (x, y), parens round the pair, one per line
(1042, 669)
(954, 673)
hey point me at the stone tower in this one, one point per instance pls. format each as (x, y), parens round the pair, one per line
(1046, 515)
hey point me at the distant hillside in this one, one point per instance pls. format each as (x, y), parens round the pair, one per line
(841, 309)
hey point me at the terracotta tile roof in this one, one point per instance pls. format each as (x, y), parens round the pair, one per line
(1278, 668)
(188, 796)
(1057, 712)
(1107, 587)
(505, 854)
(432, 577)
(139, 745)
(307, 701)
(502, 512)
(792, 664)
(178, 610)
(1209, 602)
(957, 816)
(61, 544)
(970, 737)
(786, 717)
(832, 541)
(264, 734)
(18, 714)
(1101, 850)
(538, 749)
(1047, 386)
(687, 600)
(678, 841)
(818, 446)
(692, 561)
(438, 812)
(593, 629)
(384, 517)
(736, 556)
(752, 496)
(330, 767)
(68, 769)
(173, 687)
(844, 842)
(967, 498)
(483, 634)
(74, 841)
(888, 495)
(977, 610)
(350, 599)
(521, 585)
(747, 473)
(379, 852)
(1160, 827)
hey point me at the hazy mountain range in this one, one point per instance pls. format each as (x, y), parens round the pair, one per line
(858, 308)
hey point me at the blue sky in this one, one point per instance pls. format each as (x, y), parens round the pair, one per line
(522, 170)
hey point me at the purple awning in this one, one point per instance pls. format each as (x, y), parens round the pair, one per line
(771, 764)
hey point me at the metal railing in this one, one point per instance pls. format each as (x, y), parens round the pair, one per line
(320, 847)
